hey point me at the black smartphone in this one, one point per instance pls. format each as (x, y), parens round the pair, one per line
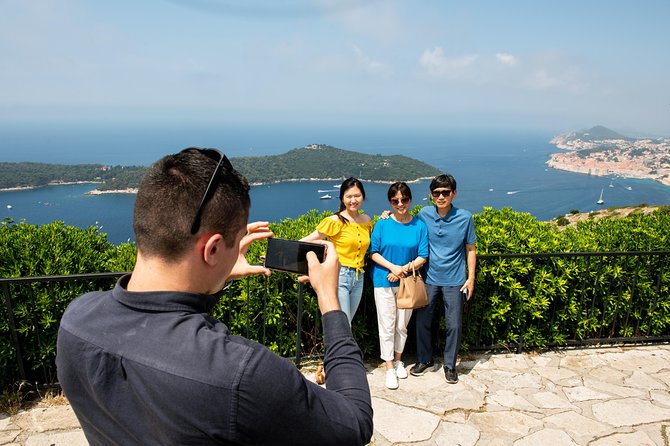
(291, 255)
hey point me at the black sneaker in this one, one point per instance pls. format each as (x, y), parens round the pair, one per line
(450, 375)
(421, 367)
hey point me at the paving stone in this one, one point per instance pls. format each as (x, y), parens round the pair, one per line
(614, 389)
(509, 399)
(555, 374)
(550, 400)
(633, 438)
(648, 360)
(510, 362)
(454, 434)
(8, 435)
(514, 424)
(546, 436)
(580, 363)
(660, 397)
(543, 360)
(75, 438)
(629, 412)
(608, 374)
(402, 424)
(663, 377)
(577, 426)
(643, 381)
(582, 393)
(62, 416)
(511, 380)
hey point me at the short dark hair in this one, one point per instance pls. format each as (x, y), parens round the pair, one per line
(401, 187)
(168, 198)
(444, 180)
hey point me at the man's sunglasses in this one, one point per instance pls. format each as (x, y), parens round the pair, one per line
(397, 201)
(444, 192)
(221, 160)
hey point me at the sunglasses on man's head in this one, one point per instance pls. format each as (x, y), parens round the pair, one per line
(443, 192)
(397, 201)
(221, 160)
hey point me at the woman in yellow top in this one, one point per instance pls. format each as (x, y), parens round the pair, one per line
(349, 231)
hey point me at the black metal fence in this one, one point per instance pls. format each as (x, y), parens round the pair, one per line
(521, 301)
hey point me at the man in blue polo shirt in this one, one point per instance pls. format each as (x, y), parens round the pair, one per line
(451, 241)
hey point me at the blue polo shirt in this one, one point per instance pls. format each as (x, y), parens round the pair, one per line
(447, 237)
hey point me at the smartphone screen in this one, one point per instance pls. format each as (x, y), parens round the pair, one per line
(291, 255)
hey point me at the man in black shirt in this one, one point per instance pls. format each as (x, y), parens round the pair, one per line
(146, 364)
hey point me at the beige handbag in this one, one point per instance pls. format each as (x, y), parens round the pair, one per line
(412, 292)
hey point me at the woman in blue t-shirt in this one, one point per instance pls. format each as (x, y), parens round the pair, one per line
(397, 245)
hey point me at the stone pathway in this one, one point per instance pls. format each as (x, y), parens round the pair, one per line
(596, 397)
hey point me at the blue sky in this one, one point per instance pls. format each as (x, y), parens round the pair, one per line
(560, 65)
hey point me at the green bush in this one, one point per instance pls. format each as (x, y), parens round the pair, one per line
(538, 301)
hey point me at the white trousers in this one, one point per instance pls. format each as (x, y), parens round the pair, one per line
(392, 322)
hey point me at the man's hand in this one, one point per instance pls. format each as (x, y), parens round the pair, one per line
(255, 231)
(324, 277)
(385, 214)
(469, 285)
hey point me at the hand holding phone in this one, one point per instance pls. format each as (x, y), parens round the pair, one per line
(290, 255)
(323, 276)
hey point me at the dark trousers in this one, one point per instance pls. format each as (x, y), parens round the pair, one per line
(453, 316)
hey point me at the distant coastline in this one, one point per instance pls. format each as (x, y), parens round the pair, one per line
(314, 162)
(129, 190)
(53, 183)
(602, 152)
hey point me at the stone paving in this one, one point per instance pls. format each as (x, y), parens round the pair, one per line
(595, 396)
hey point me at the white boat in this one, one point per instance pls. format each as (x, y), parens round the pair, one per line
(491, 190)
(326, 197)
(629, 188)
(9, 206)
(325, 190)
(512, 192)
(600, 200)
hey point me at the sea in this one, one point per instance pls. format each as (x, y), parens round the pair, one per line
(493, 168)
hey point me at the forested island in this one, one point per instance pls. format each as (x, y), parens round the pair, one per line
(312, 162)
(603, 152)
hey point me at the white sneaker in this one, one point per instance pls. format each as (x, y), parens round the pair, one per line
(400, 370)
(391, 379)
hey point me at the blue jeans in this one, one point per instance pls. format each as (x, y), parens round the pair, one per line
(453, 317)
(350, 290)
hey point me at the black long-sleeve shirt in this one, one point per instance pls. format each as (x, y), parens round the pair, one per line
(155, 368)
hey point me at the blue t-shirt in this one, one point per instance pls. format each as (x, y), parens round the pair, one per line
(447, 237)
(399, 243)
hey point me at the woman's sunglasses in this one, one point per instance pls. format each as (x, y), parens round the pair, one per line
(397, 201)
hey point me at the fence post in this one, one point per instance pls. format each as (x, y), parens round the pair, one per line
(12, 329)
(298, 324)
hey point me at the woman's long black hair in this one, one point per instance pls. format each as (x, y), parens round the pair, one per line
(346, 185)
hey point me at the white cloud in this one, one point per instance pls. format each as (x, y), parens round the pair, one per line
(506, 59)
(541, 80)
(437, 64)
(371, 66)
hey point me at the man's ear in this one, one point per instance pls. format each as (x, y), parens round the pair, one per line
(214, 247)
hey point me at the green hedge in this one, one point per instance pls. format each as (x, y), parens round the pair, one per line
(540, 302)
